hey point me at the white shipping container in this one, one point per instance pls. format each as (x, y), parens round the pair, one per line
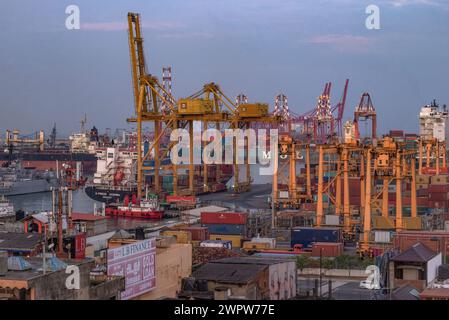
(332, 220)
(283, 194)
(216, 244)
(382, 236)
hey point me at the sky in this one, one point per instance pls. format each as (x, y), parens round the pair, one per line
(49, 74)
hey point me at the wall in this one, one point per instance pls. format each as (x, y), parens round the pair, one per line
(172, 264)
(52, 285)
(282, 280)
(432, 268)
(250, 291)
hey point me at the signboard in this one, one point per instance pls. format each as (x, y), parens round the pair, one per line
(135, 261)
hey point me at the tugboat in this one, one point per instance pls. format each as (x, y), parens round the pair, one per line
(148, 208)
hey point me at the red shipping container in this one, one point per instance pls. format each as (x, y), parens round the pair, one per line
(422, 202)
(309, 206)
(190, 199)
(80, 246)
(437, 196)
(435, 188)
(223, 218)
(198, 233)
(327, 249)
(406, 201)
(354, 201)
(437, 204)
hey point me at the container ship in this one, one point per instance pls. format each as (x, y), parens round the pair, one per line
(115, 177)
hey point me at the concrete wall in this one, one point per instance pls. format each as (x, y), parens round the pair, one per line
(172, 264)
(52, 285)
(282, 280)
(432, 268)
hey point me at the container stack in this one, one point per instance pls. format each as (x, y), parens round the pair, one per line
(230, 226)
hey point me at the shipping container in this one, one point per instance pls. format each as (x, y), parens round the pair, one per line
(237, 229)
(181, 236)
(171, 198)
(283, 194)
(236, 240)
(223, 218)
(250, 245)
(216, 244)
(332, 220)
(308, 235)
(327, 249)
(382, 236)
(271, 241)
(198, 233)
(438, 188)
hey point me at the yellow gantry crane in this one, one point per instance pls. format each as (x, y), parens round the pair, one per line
(209, 106)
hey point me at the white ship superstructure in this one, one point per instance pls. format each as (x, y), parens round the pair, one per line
(115, 166)
(433, 122)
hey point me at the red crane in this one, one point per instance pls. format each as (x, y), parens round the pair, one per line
(320, 124)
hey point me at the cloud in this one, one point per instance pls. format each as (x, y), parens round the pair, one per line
(115, 26)
(343, 42)
(435, 3)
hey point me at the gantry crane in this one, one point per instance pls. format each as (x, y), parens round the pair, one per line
(434, 149)
(290, 153)
(390, 162)
(13, 138)
(209, 106)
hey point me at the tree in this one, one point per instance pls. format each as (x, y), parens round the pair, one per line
(302, 261)
(328, 263)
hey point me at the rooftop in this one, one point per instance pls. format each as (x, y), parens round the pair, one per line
(236, 270)
(435, 293)
(416, 253)
(10, 241)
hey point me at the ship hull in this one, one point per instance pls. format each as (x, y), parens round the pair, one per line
(52, 160)
(107, 195)
(27, 187)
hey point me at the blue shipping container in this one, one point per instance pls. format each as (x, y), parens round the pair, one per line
(306, 236)
(236, 229)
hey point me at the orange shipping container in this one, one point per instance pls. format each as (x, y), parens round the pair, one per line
(327, 249)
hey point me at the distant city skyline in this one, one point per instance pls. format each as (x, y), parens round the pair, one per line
(50, 74)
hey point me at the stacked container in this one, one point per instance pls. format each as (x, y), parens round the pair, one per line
(226, 226)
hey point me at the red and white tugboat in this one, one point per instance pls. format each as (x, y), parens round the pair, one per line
(146, 208)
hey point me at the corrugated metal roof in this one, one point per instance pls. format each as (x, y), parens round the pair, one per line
(229, 273)
(197, 211)
(10, 241)
(416, 253)
(405, 292)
